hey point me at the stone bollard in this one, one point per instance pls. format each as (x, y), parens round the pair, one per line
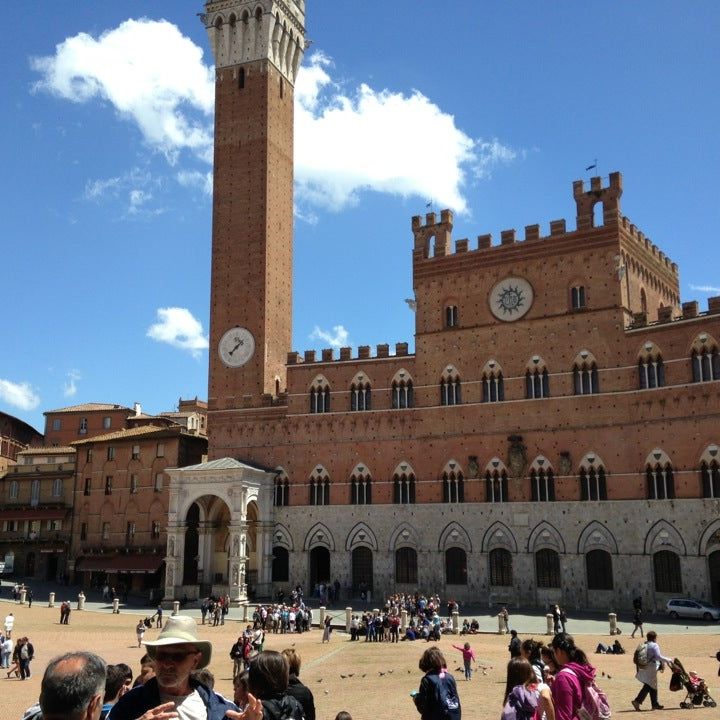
(116, 606)
(456, 622)
(176, 607)
(245, 612)
(502, 629)
(23, 594)
(403, 620)
(348, 619)
(81, 601)
(612, 619)
(322, 617)
(51, 600)
(550, 624)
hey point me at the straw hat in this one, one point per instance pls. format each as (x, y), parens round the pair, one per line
(178, 630)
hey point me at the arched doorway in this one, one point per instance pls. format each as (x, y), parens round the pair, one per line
(362, 569)
(714, 567)
(280, 564)
(30, 565)
(190, 564)
(319, 566)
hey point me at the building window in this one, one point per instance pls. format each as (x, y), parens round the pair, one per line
(89, 455)
(108, 485)
(87, 489)
(496, 486)
(360, 396)
(360, 489)
(280, 564)
(83, 426)
(281, 494)
(453, 487)
(710, 476)
(585, 379)
(35, 492)
(451, 316)
(666, 567)
(402, 394)
(111, 453)
(455, 566)
(155, 530)
(57, 488)
(501, 567)
(129, 533)
(83, 531)
(660, 482)
(157, 486)
(160, 452)
(107, 423)
(450, 388)
(404, 489)
(136, 452)
(542, 485)
(578, 300)
(10, 526)
(547, 569)
(320, 488)
(598, 570)
(133, 484)
(592, 484)
(14, 490)
(54, 525)
(651, 371)
(537, 384)
(105, 531)
(493, 387)
(56, 424)
(320, 399)
(406, 566)
(706, 365)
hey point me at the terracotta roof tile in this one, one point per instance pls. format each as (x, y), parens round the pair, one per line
(87, 407)
(137, 432)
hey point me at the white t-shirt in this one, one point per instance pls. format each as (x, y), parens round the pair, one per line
(188, 707)
(9, 622)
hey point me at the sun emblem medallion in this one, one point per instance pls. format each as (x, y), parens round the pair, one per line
(511, 298)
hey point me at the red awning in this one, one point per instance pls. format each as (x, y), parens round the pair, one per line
(120, 563)
(34, 514)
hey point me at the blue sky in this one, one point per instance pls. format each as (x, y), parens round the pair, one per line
(491, 108)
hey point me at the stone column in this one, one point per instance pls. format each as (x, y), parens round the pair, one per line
(23, 594)
(348, 619)
(205, 553)
(612, 619)
(322, 616)
(550, 624)
(116, 606)
(456, 622)
(81, 601)
(263, 553)
(174, 560)
(51, 600)
(236, 562)
(403, 620)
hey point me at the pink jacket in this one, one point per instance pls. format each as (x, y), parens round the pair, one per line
(567, 689)
(467, 654)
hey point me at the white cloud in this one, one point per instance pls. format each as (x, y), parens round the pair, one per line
(347, 140)
(180, 329)
(19, 395)
(70, 387)
(384, 141)
(201, 180)
(150, 73)
(337, 338)
(705, 288)
(133, 190)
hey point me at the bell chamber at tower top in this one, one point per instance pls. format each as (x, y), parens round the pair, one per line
(244, 31)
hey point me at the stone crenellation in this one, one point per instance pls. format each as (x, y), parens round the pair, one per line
(327, 355)
(441, 231)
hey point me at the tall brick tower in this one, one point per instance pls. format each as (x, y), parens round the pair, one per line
(258, 46)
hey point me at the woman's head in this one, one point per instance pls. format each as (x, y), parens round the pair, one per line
(293, 660)
(432, 660)
(566, 651)
(241, 689)
(651, 636)
(519, 672)
(467, 646)
(530, 650)
(548, 657)
(268, 674)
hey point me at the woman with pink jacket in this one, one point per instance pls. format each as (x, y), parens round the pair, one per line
(574, 676)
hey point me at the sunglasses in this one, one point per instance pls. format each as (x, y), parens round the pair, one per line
(175, 657)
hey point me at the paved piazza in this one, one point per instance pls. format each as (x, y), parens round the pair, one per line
(371, 697)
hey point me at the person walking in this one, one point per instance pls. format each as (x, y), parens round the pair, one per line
(9, 624)
(29, 597)
(327, 629)
(6, 649)
(515, 646)
(27, 651)
(140, 631)
(158, 616)
(637, 621)
(236, 655)
(468, 659)
(646, 674)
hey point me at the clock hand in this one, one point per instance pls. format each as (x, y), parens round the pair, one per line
(240, 342)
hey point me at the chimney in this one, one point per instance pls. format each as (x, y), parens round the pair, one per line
(138, 408)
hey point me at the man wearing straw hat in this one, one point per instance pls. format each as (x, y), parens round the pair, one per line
(172, 693)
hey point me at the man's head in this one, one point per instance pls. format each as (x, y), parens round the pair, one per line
(114, 683)
(268, 674)
(73, 686)
(174, 664)
(651, 636)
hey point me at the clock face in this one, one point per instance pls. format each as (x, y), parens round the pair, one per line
(236, 347)
(511, 298)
